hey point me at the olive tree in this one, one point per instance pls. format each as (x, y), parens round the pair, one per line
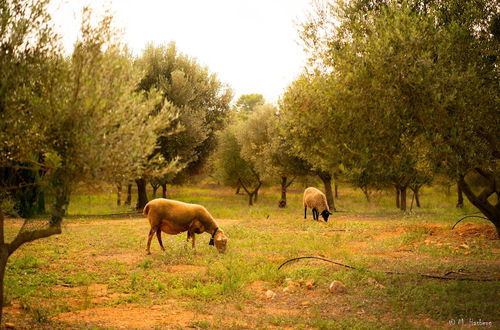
(70, 118)
(263, 144)
(230, 166)
(201, 102)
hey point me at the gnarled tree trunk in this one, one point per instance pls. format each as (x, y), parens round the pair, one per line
(252, 195)
(284, 186)
(492, 212)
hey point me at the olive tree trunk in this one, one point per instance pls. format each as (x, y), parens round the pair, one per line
(119, 194)
(460, 197)
(23, 236)
(492, 212)
(252, 195)
(128, 201)
(284, 186)
(403, 198)
(164, 190)
(327, 182)
(142, 196)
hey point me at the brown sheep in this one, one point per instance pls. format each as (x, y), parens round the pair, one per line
(174, 217)
(316, 200)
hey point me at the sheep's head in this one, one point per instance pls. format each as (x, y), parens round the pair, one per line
(326, 214)
(220, 240)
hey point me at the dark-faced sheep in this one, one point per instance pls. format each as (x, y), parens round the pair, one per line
(174, 217)
(316, 200)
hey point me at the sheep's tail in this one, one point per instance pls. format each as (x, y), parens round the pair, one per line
(146, 209)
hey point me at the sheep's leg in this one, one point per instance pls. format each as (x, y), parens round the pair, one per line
(192, 237)
(315, 214)
(305, 212)
(150, 236)
(158, 235)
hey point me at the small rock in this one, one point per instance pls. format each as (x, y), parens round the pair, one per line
(309, 284)
(375, 282)
(464, 246)
(466, 253)
(9, 325)
(337, 287)
(270, 294)
(290, 288)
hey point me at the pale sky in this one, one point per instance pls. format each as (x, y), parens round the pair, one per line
(252, 45)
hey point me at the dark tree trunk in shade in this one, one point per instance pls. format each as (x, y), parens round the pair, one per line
(4, 256)
(336, 190)
(163, 190)
(128, 201)
(119, 194)
(403, 198)
(282, 202)
(398, 202)
(460, 197)
(142, 196)
(327, 182)
(416, 194)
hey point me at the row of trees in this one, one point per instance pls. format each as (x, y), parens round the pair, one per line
(396, 94)
(400, 91)
(252, 150)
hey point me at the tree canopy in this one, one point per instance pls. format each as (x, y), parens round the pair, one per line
(408, 87)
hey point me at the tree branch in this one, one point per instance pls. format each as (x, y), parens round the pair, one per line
(244, 188)
(486, 208)
(258, 187)
(291, 181)
(24, 185)
(28, 236)
(485, 174)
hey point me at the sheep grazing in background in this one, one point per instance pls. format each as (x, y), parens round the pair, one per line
(316, 200)
(173, 217)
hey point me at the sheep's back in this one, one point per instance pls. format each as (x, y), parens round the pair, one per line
(173, 211)
(314, 198)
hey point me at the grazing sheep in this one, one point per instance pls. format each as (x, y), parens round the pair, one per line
(173, 217)
(316, 200)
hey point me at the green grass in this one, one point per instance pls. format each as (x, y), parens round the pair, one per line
(57, 274)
